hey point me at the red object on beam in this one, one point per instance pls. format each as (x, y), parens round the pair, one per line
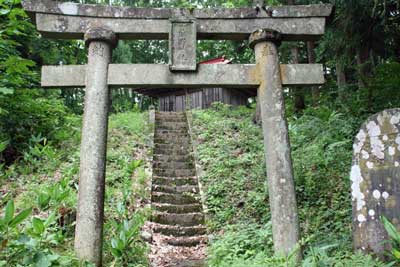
(221, 60)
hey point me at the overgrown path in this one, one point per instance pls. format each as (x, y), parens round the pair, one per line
(179, 233)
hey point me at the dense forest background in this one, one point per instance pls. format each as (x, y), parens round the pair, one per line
(39, 129)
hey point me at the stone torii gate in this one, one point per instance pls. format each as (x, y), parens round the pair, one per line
(102, 26)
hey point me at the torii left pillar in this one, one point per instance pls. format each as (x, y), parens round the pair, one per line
(90, 214)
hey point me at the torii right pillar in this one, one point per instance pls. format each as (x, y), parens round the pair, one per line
(282, 196)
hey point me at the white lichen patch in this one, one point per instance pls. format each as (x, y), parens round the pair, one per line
(396, 164)
(370, 164)
(376, 194)
(373, 129)
(356, 193)
(377, 147)
(385, 195)
(282, 181)
(361, 218)
(398, 142)
(364, 154)
(361, 136)
(371, 213)
(68, 8)
(385, 138)
(394, 120)
(392, 151)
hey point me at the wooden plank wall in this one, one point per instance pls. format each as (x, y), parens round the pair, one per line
(202, 99)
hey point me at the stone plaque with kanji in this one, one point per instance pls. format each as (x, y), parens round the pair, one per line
(183, 45)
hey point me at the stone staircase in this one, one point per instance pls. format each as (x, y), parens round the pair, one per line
(176, 202)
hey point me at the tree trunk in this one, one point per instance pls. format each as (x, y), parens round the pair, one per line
(312, 59)
(257, 115)
(365, 71)
(340, 79)
(298, 94)
(364, 68)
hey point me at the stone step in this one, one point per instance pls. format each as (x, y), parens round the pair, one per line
(173, 165)
(174, 181)
(190, 263)
(170, 114)
(172, 126)
(171, 152)
(175, 199)
(172, 146)
(174, 172)
(170, 119)
(176, 124)
(176, 189)
(177, 231)
(187, 242)
(169, 208)
(162, 132)
(185, 219)
(171, 136)
(171, 129)
(172, 158)
(171, 140)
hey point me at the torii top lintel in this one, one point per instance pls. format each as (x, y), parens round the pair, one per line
(70, 20)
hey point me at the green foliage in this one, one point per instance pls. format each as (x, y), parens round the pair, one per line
(240, 243)
(15, 71)
(126, 244)
(231, 152)
(28, 115)
(230, 149)
(394, 235)
(47, 184)
(28, 244)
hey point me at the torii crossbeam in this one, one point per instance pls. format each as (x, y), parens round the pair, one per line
(102, 26)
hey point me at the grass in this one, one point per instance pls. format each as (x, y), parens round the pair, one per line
(230, 150)
(46, 179)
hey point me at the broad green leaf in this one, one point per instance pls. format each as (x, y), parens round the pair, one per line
(391, 229)
(43, 200)
(4, 11)
(3, 145)
(42, 260)
(116, 252)
(38, 225)
(20, 217)
(9, 213)
(396, 253)
(6, 91)
(113, 243)
(50, 219)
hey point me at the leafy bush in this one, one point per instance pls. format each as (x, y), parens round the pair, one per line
(46, 181)
(29, 115)
(230, 149)
(29, 244)
(394, 235)
(241, 242)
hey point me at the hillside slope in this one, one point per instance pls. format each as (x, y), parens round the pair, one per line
(230, 150)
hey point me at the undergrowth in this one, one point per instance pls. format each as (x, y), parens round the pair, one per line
(40, 191)
(230, 150)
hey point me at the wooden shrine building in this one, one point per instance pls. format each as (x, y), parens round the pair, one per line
(175, 100)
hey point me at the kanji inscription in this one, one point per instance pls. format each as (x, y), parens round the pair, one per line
(183, 45)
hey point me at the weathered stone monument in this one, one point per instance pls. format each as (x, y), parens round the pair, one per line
(375, 177)
(100, 26)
